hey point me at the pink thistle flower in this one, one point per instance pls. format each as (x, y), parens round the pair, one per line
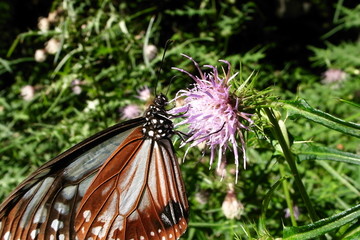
(333, 76)
(144, 94)
(212, 114)
(296, 212)
(130, 111)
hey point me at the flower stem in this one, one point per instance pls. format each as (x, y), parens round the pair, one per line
(291, 161)
(287, 196)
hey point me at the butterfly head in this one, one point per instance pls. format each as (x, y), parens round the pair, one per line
(160, 101)
(158, 125)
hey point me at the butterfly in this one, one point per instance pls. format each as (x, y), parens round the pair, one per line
(122, 183)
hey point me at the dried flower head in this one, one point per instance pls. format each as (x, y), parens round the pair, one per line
(150, 52)
(212, 113)
(231, 206)
(54, 16)
(52, 46)
(43, 24)
(27, 92)
(76, 86)
(40, 55)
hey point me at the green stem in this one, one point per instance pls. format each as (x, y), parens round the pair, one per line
(289, 203)
(291, 161)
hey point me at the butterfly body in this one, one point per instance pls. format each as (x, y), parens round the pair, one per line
(122, 183)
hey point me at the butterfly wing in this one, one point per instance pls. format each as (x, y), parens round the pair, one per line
(142, 200)
(44, 205)
(123, 183)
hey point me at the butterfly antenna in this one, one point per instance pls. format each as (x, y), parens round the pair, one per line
(168, 42)
(167, 91)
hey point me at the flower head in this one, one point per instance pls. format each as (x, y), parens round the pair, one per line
(150, 52)
(144, 94)
(43, 24)
(295, 210)
(231, 206)
(27, 92)
(212, 113)
(40, 55)
(52, 46)
(91, 105)
(130, 111)
(76, 86)
(331, 76)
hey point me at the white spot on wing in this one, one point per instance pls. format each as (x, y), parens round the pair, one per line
(34, 233)
(117, 225)
(62, 208)
(108, 215)
(105, 190)
(165, 219)
(68, 192)
(56, 224)
(87, 215)
(7, 236)
(96, 230)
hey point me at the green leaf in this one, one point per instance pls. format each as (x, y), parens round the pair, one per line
(265, 204)
(313, 152)
(303, 109)
(354, 234)
(5, 64)
(322, 226)
(350, 103)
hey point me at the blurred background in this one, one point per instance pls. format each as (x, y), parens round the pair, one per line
(70, 68)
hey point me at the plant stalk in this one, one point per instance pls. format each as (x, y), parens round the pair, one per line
(291, 161)
(289, 202)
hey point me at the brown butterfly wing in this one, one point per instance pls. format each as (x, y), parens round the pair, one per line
(43, 207)
(140, 198)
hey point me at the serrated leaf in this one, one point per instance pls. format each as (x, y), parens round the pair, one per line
(303, 109)
(322, 226)
(313, 152)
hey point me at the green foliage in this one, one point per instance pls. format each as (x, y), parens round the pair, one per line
(325, 225)
(102, 45)
(343, 56)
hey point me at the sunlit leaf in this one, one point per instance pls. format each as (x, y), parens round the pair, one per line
(322, 226)
(300, 108)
